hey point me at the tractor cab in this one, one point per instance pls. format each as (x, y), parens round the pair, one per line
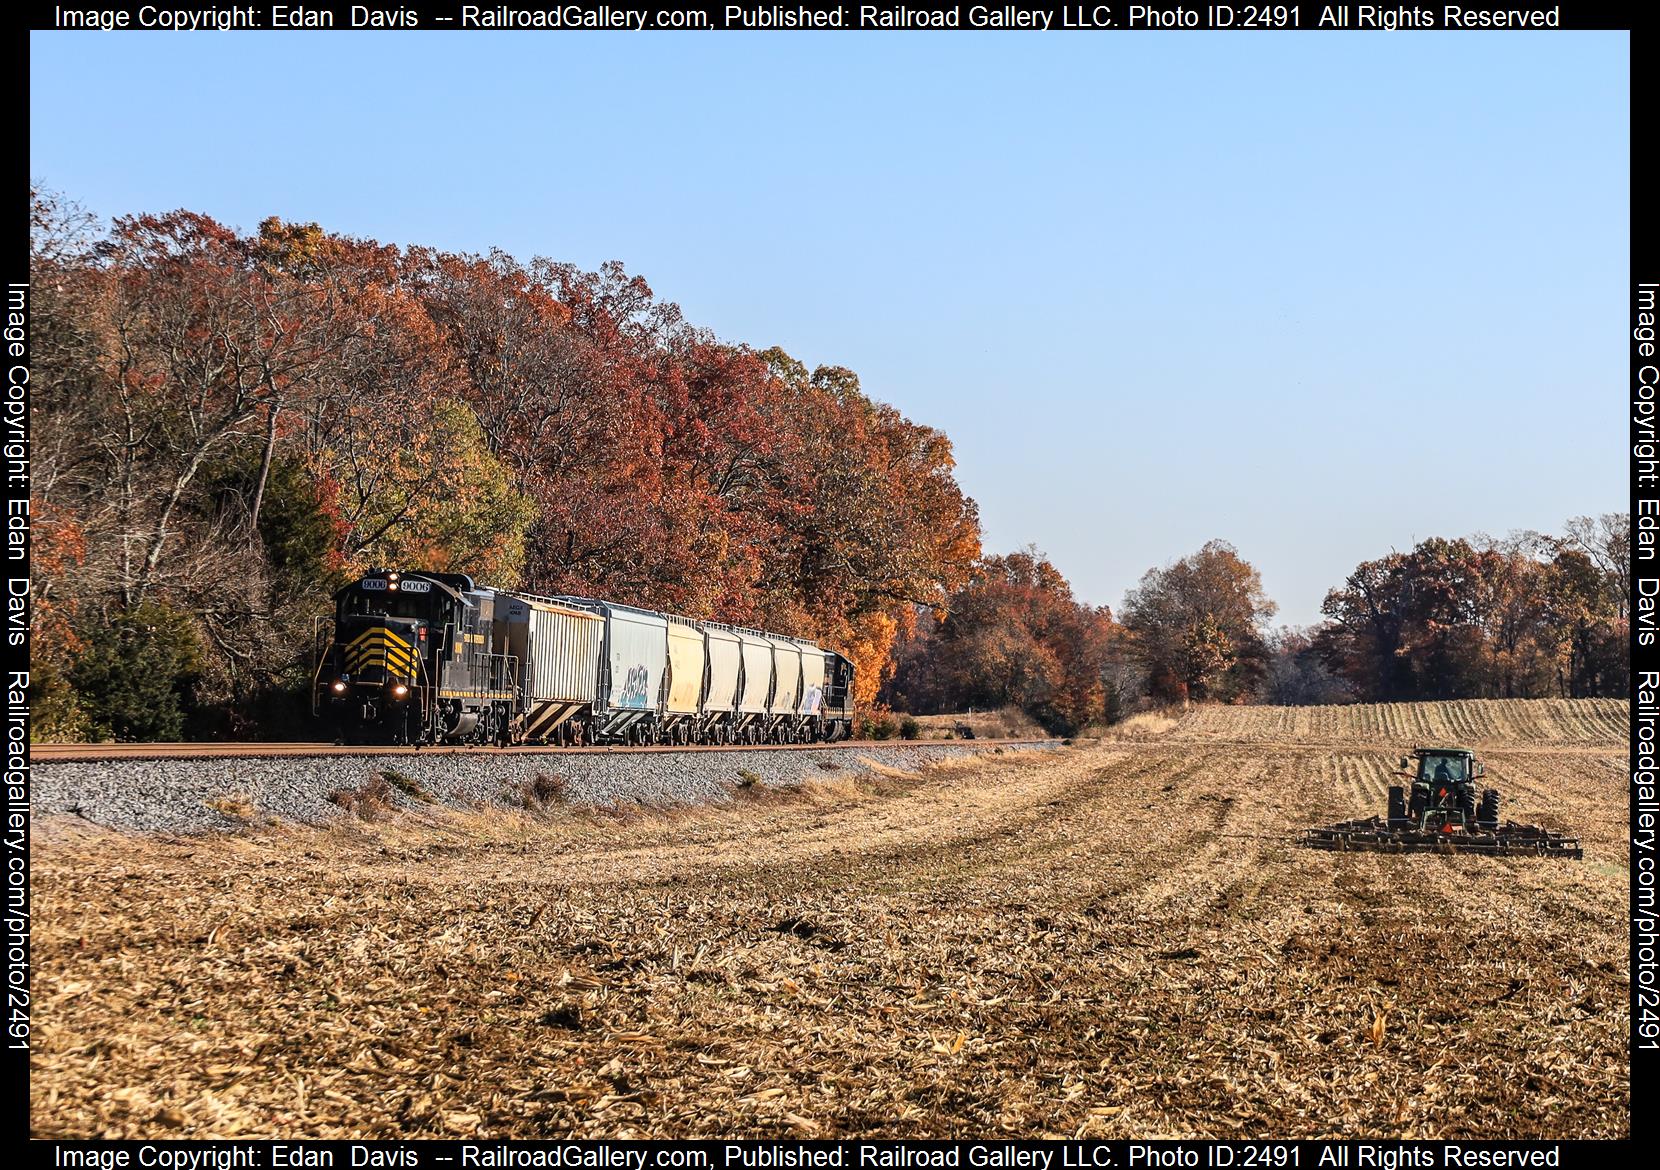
(1443, 792)
(1444, 766)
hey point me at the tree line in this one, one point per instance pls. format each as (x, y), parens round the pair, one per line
(228, 426)
(1530, 616)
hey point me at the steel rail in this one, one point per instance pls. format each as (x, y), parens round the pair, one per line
(92, 752)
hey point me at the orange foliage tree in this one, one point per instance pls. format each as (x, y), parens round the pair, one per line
(1013, 635)
(1198, 624)
(234, 424)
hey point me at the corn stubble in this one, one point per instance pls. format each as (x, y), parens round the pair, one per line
(1114, 940)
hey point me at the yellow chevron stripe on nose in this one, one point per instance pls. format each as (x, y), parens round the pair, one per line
(402, 661)
(380, 647)
(375, 644)
(378, 644)
(389, 661)
(382, 633)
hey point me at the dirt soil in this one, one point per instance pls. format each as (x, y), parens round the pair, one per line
(1116, 940)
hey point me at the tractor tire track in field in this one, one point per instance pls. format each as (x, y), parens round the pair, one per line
(1118, 940)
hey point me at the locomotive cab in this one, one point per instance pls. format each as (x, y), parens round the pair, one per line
(410, 661)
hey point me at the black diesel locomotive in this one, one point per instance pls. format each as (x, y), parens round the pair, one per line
(423, 658)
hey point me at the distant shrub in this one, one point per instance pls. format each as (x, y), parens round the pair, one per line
(57, 713)
(909, 728)
(879, 726)
(368, 800)
(543, 790)
(407, 785)
(134, 679)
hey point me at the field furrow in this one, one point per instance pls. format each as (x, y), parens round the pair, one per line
(1116, 940)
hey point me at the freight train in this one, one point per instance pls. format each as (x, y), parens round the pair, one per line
(425, 658)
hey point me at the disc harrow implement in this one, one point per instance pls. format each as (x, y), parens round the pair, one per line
(1377, 835)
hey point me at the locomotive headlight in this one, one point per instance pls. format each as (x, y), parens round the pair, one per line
(400, 691)
(339, 687)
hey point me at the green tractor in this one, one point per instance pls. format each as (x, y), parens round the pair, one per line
(1441, 811)
(1443, 791)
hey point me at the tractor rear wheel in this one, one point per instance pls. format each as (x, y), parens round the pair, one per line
(1467, 807)
(1488, 815)
(1397, 803)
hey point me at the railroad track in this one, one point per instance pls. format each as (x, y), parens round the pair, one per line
(88, 752)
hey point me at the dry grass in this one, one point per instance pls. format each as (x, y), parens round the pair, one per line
(1007, 723)
(1146, 725)
(1112, 941)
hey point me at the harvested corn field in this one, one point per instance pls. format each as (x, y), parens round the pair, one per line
(1113, 940)
(1470, 722)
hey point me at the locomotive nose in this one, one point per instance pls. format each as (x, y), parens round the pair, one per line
(381, 653)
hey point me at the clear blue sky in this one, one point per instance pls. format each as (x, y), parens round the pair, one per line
(1315, 294)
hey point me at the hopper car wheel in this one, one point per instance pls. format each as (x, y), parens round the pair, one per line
(1397, 803)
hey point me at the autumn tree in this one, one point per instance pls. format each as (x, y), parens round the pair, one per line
(231, 425)
(1297, 674)
(422, 491)
(1014, 635)
(1197, 626)
(1525, 617)
(873, 523)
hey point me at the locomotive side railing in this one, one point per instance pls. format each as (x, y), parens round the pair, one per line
(319, 656)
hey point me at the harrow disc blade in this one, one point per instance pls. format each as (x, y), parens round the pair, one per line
(1375, 835)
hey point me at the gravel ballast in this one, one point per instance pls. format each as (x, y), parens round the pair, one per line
(195, 795)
